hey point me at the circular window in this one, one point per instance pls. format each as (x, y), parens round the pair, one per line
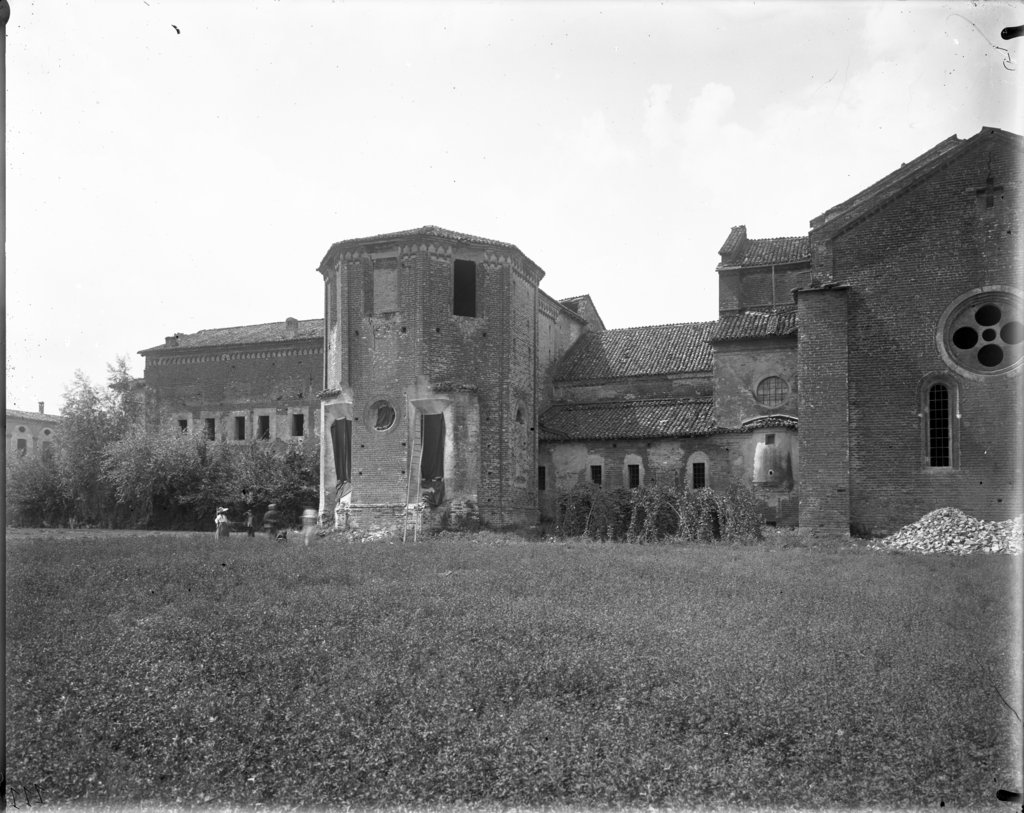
(46, 431)
(982, 332)
(382, 415)
(772, 391)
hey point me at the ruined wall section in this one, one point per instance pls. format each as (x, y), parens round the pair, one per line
(276, 380)
(906, 264)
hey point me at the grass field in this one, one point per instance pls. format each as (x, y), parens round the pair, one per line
(169, 669)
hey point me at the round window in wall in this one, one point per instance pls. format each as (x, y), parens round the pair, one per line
(772, 391)
(982, 333)
(382, 414)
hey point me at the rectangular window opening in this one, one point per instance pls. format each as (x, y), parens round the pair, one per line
(464, 288)
(938, 427)
(239, 427)
(211, 428)
(699, 479)
(22, 447)
(769, 440)
(183, 424)
(542, 478)
(263, 427)
(596, 475)
(298, 425)
(634, 475)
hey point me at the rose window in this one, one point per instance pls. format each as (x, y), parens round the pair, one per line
(982, 332)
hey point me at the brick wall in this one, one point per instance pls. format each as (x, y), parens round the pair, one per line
(824, 439)
(738, 368)
(906, 264)
(274, 379)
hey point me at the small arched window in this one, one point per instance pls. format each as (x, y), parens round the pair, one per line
(939, 423)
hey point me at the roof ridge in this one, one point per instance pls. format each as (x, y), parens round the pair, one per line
(643, 327)
(254, 324)
(630, 401)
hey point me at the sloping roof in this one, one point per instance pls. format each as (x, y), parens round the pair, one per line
(754, 325)
(739, 251)
(642, 418)
(629, 351)
(892, 185)
(422, 231)
(245, 334)
(19, 415)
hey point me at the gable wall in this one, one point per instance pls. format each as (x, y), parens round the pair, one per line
(906, 264)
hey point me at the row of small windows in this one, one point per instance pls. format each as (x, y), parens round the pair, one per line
(238, 425)
(698, 475)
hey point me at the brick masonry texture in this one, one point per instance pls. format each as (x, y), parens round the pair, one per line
(847, 322)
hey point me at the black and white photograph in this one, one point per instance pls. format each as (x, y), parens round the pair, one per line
(513, 405)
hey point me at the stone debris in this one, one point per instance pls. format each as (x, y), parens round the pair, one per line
(950, 530)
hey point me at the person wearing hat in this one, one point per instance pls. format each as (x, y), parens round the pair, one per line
(272, 520)
(223, 526)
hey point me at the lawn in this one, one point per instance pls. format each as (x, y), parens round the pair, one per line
(170, 669)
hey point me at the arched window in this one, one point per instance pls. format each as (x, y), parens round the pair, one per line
(939, 423)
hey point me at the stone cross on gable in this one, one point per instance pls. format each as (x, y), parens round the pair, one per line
(989, 190)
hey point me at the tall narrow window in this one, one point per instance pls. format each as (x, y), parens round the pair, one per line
(298, 425)
(211, 428)
(263, 427)
(239, 427)
(464, 288)
(341, 445)
(939, 436)
(634, 475)
(596, 475)
(699, 479)
(22, 447)
(542, 478)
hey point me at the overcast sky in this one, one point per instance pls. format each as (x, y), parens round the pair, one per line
(160, 181)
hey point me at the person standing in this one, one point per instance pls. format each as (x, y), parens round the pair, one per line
(221, 520)
(250, 523)
(272, 520)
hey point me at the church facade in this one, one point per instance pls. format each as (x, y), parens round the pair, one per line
(855, 377)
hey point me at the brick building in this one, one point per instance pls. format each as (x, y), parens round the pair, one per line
(29, 433)
(237, 384)
(855, 378)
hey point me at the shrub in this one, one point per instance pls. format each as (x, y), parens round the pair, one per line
(659, 512)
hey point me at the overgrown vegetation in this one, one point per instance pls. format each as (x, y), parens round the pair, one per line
(108, 471)
(659, 513)
(152, 669)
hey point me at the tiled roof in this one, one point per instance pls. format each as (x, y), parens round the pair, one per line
(652, 350)
(770, 422)
(245, 334)
(648, 418)
(18, 415)
(739, 251)
(754, 324)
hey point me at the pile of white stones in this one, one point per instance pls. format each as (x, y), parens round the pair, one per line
(950, 530)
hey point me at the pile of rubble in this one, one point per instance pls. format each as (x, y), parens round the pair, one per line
(949, 530)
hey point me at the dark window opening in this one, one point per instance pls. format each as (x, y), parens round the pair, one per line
(939, 445)
(464, 288)
(699, 476)
(772, 391)
(341, 441)
(211, 428)
(384, 416)
(298, 425)
(519, 414)
(432, 459)
(263, 427)
(542, 478)
(183, 424)
(596, 475)
(22, 447)
(769, 440)
(634, 475)
(239, 428)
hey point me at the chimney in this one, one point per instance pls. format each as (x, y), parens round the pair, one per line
(171, 341)
(291, 327)
(41, 410)
(732, 249)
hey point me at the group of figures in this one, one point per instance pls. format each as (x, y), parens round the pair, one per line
(274, 525)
